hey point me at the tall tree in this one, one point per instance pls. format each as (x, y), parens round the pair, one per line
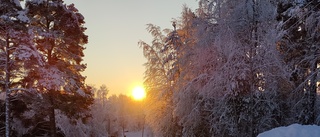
(189, 78)
(160, 78)
(16, 46)
(299, 45)
(100, 113)
(59, 37)
(102, 94)
(236, 66)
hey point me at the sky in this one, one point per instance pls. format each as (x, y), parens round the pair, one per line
(115, 27)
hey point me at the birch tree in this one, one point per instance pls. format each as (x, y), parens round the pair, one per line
(242, 68)
(160, 78)
(298, 28)
(16, 47)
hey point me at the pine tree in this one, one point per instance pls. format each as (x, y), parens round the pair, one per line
(59, 37)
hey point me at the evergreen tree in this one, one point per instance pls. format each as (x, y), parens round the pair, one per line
(59, 37)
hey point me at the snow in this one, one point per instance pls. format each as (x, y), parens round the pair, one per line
(52, 78)
(81, 92)
(38, 1)
(22, 16)
(17, 2)
(294, 130)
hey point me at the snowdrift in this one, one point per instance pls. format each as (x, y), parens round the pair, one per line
(294, 130)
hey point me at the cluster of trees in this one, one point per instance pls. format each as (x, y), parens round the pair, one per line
(41, 51)
(42, 91)
(234, 68)
(115, 115)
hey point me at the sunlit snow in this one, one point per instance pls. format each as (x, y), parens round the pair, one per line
(294, 130)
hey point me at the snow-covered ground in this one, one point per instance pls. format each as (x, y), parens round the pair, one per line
(294, 130)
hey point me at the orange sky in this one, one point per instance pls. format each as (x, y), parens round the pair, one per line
(113, 56)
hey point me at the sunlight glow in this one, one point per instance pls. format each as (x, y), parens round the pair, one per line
(138, 93)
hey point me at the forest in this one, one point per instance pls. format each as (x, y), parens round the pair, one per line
(234, 68)
(230, 68)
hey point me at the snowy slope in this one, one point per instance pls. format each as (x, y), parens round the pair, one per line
(294, 130)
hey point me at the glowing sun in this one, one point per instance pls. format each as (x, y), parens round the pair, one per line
(138, 93)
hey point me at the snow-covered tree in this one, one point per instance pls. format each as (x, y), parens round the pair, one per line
(102, 94)
(121, 114)
(59, 36)
(16, 50)
(299, 25)
(234, 71)
(193, 119)
(100, 113)
(96, 125)
(162, 71)
(248, 69)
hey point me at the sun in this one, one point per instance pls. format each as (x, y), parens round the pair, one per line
(138, 93)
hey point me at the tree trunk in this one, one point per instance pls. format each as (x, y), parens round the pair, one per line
(312, 93)
(52, 119)
(7, 90)
(7, 113)
(143, 123)
(254, 38)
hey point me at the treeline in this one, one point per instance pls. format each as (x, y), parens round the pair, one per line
(41, 53)
(234, 68)
(116, 115)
